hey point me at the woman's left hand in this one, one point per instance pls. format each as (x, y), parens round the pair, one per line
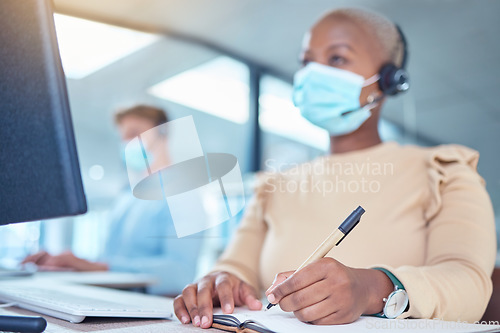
(326, 292)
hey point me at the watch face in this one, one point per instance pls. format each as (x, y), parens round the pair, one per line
(396, 303)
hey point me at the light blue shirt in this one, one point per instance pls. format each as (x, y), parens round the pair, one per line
(142, 239)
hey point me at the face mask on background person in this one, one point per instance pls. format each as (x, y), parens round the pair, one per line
(328, 97)
(134, 158)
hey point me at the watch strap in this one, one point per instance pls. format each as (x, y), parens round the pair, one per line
(396, 283)
(391, 276)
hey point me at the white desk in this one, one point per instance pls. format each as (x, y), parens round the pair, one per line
(118, 325)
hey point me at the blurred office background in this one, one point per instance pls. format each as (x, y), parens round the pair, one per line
(229, 64)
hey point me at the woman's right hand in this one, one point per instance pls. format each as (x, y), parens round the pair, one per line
(219, 288)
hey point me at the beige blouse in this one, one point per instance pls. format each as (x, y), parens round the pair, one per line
(428, 219)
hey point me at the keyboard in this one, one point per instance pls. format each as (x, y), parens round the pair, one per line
(76, 302)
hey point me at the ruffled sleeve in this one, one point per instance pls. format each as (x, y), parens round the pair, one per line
(454, 283)
(439, 162)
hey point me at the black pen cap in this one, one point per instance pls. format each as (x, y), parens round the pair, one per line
(351, 221)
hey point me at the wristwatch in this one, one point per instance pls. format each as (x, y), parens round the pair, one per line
(397, 301)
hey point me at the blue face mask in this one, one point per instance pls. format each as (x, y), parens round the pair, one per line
(135, 158)
(328, 97)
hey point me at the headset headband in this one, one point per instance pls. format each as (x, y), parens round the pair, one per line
(404, 44)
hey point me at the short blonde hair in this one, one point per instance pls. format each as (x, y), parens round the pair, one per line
(384, 30)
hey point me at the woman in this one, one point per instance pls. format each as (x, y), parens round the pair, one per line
(428, 228)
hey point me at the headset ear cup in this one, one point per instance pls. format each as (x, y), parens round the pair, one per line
(394, 79)
(387, 82)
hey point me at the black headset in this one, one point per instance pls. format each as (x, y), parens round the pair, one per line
(395, 79)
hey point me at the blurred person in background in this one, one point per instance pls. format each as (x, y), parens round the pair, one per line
(142, 237)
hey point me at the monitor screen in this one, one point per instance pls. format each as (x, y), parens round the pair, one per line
(39, 169)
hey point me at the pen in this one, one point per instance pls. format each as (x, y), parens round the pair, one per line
(333, 240)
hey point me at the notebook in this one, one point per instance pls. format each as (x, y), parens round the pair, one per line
(277, 321)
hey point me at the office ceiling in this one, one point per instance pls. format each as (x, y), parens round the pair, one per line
(454, 54)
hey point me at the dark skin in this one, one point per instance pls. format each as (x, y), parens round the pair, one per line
(324, 292)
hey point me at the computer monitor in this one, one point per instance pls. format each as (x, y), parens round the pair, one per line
(39, 169)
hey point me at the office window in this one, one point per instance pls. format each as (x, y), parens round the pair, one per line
(90, 232)
(218, 87)
(87, 46)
